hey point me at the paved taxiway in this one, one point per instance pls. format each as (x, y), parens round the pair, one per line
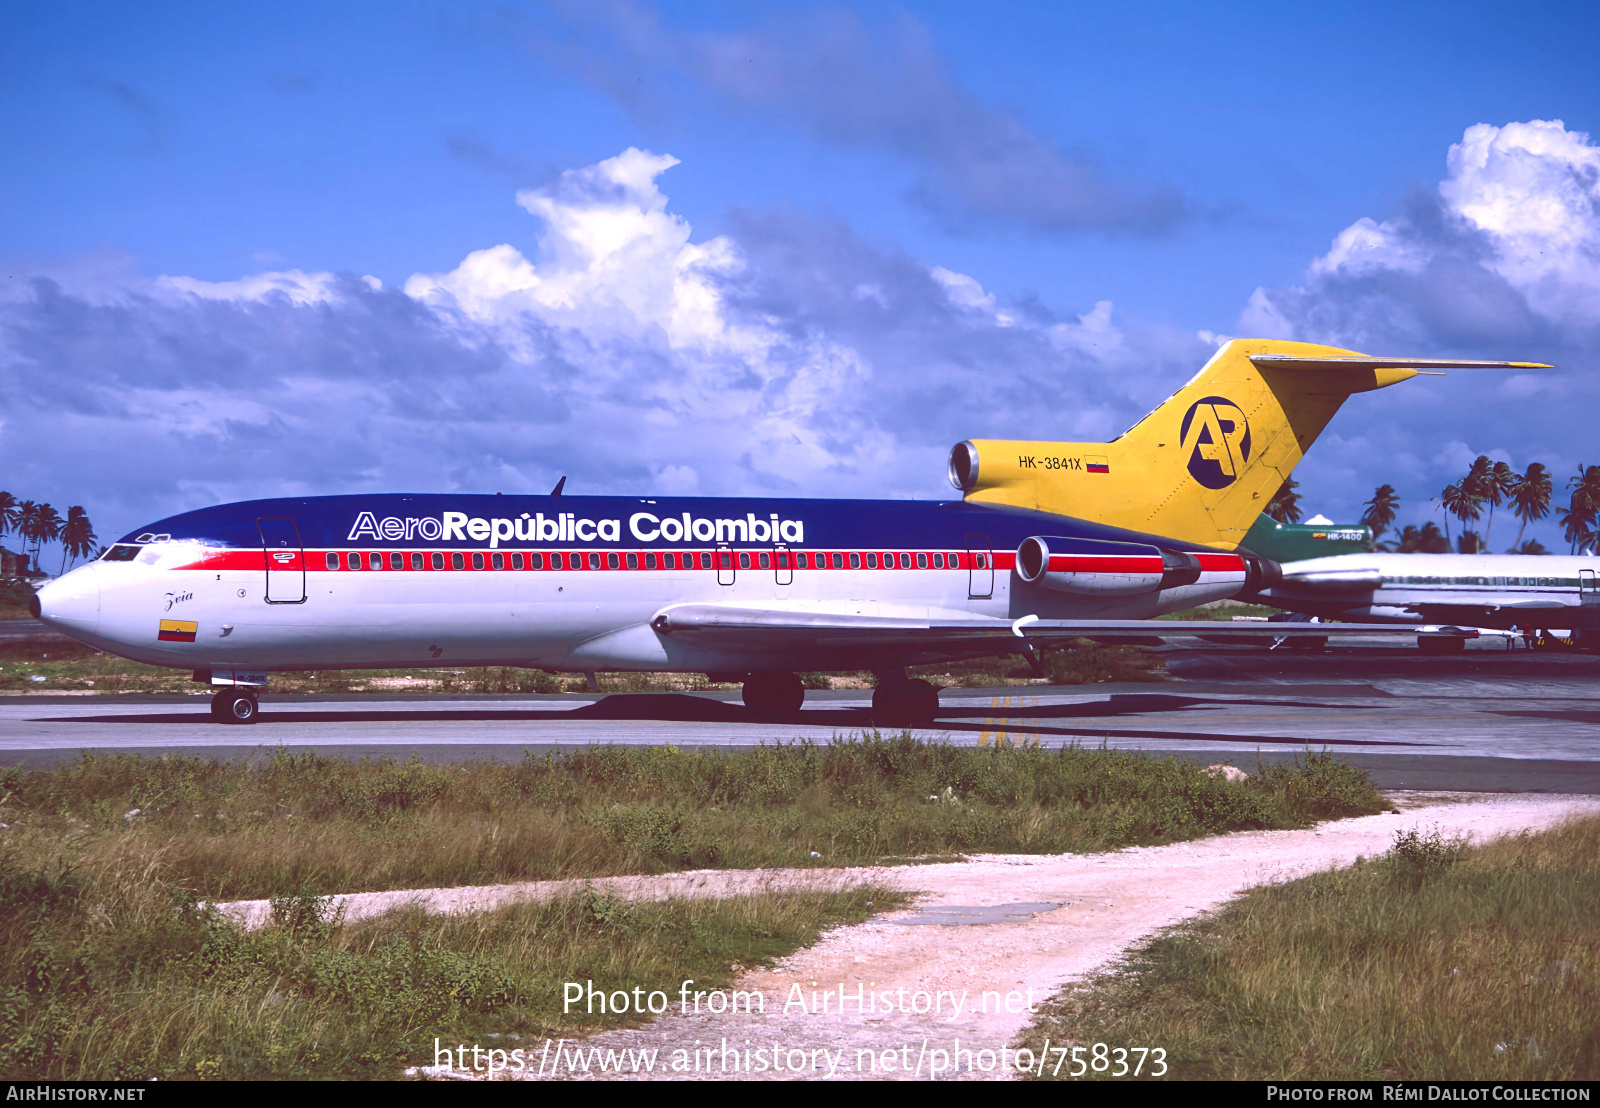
(1486, 719)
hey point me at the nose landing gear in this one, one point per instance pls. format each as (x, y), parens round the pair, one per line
(235, 706)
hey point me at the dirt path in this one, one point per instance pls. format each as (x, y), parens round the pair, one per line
(958, 972)
(1016, 942)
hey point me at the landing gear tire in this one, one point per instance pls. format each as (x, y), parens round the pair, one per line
(773, 695)
(235, 706)
(905, 703)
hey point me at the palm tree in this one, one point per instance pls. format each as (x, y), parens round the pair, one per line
(1585, 486)
(1532, 546)
(1530, 497)
(1381, 509)
(27, 522)
(1478, 475)
(1574, 527)
(1420, 540)
(1462, 501)
(8, 513)
(40, 524)
(77, 536)
(1496, 486)
(1285, 503)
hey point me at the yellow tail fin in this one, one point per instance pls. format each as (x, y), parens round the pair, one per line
(1204, 464)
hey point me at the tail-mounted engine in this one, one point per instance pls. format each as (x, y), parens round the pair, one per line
(1095, 567)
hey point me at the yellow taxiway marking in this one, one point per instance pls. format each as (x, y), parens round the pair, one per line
(994, 725)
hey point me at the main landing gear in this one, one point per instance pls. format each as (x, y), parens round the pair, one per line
(235, 706)
(773, 695)
(899, 701)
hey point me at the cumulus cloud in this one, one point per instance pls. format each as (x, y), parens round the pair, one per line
(786, 356)
(848, 83)
(1502, 260)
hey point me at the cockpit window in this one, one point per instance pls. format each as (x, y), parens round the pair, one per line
(121, 552)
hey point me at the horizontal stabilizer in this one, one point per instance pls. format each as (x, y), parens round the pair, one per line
(1290, 361)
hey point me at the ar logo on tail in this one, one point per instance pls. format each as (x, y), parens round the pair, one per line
(1217, 437)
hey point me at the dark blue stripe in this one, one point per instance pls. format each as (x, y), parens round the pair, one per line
(326, 521)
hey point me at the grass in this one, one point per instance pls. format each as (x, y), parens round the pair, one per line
(1222, 611)
(1433, 961)
(110, 973)
(293, 821)
(14, 597)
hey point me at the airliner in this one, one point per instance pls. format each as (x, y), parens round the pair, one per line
(1473, 590)
(748, 589)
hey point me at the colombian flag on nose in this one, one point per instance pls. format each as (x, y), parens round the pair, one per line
(177, 630)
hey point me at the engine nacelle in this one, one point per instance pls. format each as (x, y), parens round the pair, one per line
(1094, 567)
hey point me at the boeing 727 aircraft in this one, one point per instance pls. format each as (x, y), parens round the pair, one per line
(752, 588)
(1471, 590)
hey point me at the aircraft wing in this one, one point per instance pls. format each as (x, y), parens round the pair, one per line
(1291, 361)
(774, 628)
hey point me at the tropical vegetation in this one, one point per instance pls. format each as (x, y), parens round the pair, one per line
(38, 524)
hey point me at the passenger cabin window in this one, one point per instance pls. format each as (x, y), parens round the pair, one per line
(498, 560)
(855, 560)
(477, 560)
(536, 560)
(612, 562)
(633, 561)
(905, 561)
(872, 559)
(122, 552)
(766, 561)
(416, 559)
(397, 560)
(516, 560)
(744, 559)
(938, 561)
(457, 561)
(649, 560)
(838, 560)
(353, 559)
(922, 561)
(332, 560)
(705, 560)
(375, 560)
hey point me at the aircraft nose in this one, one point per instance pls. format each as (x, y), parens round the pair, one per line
(70, 603)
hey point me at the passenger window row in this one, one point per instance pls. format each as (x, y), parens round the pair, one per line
(650, 559)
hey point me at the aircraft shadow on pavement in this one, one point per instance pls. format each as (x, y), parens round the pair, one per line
(1043, 720)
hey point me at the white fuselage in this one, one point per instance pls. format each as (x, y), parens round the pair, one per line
(182, 604)
(1486, 590)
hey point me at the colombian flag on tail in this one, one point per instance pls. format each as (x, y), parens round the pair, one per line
(177, 630)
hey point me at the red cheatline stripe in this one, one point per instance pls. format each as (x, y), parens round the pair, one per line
(1223, 563)
(1104, 563)
(699, 561)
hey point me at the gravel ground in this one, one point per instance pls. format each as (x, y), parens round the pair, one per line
(986, 938)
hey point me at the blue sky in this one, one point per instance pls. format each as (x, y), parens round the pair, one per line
(903, 217)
